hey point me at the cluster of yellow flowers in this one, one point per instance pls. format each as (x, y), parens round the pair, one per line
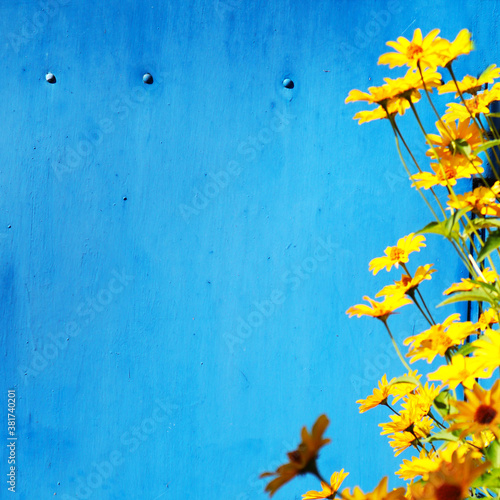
(457, 439)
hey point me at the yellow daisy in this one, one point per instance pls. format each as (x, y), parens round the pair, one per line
(457, 141)
(451, 480)
(380, 310)
(328, 491)
(439, 338)
(407, 284)
(461, 370)
(445, 174)
(467, 284)
(398, 254)
(478, 104)
(419, 52)
(479, 412)
(487, 352)
(301, 460)
(379, 493)
(471, 85)
(482, 201)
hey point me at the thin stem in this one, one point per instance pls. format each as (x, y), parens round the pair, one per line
(450, 69)
(412, 295)
(396, 346)
(398, 131)
(391, 119)
(426, 308)
(390, 407)
(431, 103)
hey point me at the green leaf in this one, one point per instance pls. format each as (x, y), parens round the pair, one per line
(487, 145)
(491, 244)
(492, 453)
(442, 402)
(404, 379)
(448, 228)
(465, 350)
(490, 480)
(483, 223)
(444, 435)
(478, 295)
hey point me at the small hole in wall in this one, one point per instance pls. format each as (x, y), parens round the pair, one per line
(50, 77)
(288, 84)
(147, 78)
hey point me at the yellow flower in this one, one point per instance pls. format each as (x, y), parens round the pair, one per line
(479, 412)
(420, 466)
(439, 338)
(456, 142)
(461, 370)
(379, 493)
(445, 174)
(419, 52)
(412, 421)
(379, 113)
(400, 441)
(483, 200)
(398, 254)
(379, 396)
(467, 284)
(487, 352)
(301, 460)
(451, 481)
(471, 85)
(475, 106)
(380, 310)
(393, 97)
(487, 318)
(385, 389)
(328, 491)
(462, 45)
(427, 463)
(421, 399)
(407, 284)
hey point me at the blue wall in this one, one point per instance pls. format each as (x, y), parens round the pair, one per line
(177, 258)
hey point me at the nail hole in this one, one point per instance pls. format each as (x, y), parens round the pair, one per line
(148, 78)
(288, 84)
(50, 77)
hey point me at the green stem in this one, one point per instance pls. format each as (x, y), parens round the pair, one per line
(402, 359)
(391, 119)
(450, 69)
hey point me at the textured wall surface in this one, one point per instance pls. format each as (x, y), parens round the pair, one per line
(177, 258)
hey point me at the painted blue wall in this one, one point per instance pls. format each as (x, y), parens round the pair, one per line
(177, 258)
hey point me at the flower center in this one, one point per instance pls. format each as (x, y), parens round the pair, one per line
(449, 492)
(446, 172)
(396, 253)
(295, 456)
(405, 280)
(485, 414)
(413, 51)
(473, 105)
